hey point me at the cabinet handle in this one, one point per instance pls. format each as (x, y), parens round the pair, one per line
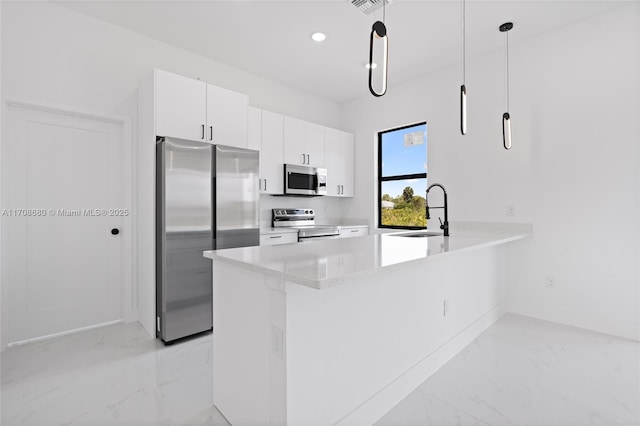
(210, 133)
(303, 158)
(265, 184)
(338, 189)
(342, 189)
(276, 236)
(203, 132)
(308, 159)
(354, 230)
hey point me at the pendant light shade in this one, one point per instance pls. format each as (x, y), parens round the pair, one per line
(506, 130)
(506, 117)
(463, 88)
(378, 59)
(463, 109)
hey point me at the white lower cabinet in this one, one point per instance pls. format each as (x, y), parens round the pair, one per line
(353, 231)
(272, 239)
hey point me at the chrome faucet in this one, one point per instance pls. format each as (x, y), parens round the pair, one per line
(444, 226)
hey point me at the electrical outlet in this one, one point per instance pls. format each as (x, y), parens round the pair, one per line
(550, 281)
(511, 210)
(277, 338)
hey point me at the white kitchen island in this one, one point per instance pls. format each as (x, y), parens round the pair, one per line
(339, 331)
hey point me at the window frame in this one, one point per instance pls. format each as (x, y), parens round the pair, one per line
(395, 177)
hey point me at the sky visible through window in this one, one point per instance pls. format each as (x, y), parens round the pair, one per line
(398, 159)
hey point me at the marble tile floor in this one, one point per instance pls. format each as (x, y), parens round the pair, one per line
(521, 371)
(115, 375)
(525, 371)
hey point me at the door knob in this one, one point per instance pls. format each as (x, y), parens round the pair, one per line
(115, 231)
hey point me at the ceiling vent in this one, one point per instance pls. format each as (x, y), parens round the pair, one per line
(368, 6)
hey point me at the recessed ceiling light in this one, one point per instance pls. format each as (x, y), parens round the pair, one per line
(318, 37)
(372, 66)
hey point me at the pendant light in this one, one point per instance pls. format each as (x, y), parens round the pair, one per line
(378, 56)
(463, 88)
(506, 117)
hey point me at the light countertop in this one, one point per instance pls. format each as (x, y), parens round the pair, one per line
(326, 263)
(283, 230)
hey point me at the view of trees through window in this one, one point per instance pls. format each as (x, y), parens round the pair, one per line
(402, 177)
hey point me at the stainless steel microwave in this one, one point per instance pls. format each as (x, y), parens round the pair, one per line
(304, 180)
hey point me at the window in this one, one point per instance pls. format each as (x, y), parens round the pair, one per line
(402, 177)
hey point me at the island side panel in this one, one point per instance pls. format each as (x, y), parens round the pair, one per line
(248, 371)
(351, 343)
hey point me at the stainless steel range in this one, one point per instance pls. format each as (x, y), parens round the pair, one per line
(304, 220)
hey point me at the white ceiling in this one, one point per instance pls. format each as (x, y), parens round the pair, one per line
(272, 38)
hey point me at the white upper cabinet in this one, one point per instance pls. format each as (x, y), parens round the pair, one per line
(226, 117)
(315, 145)
(303, 143)
(339, 163)
(191, 109)
(271, 153)
(181, 107)
(254, 131)
(295, 136)
(266, 134)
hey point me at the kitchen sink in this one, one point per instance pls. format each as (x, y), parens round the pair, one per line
(419, 234)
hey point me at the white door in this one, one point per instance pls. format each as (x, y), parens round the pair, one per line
(63, 198)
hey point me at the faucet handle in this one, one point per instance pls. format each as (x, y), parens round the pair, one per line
(441, 224)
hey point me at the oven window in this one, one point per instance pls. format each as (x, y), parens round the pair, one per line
(302, 181)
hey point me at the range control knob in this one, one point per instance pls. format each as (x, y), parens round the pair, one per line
(311, 211)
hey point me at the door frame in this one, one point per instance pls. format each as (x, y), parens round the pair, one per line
(129, 193)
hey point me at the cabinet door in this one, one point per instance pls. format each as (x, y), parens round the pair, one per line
(354, 232)
(226, 117)
(181, 107)
(271, 153)
(295, 135)
(315, 145)
(339, 163)
(254, 132)
(333, 161)
(348, 164)
(274, 239)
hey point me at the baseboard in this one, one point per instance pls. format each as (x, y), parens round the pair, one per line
(377, 406)
(63, 333)
(619, 329)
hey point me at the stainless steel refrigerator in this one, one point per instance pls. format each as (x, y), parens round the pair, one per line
(206, 199)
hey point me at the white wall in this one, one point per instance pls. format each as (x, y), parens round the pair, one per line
(572, 172)
(3, 323)
(55, 55)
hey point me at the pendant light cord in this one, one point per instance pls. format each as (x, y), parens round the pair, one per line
(507, 71)
(464, 42)
(384, 11)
